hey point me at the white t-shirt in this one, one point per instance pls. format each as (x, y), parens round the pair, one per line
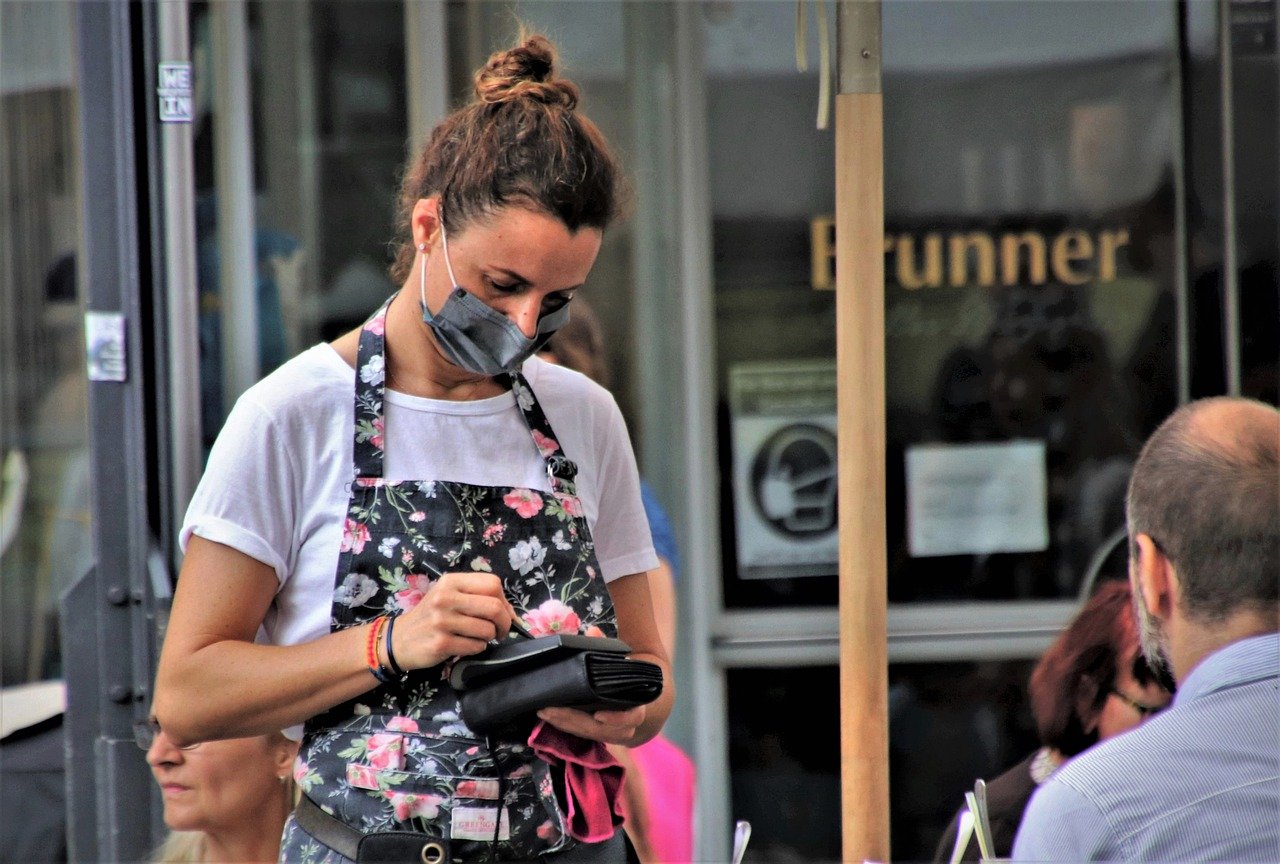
(277, 483)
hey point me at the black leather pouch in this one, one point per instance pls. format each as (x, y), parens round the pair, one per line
(502, 686)
(402, 847)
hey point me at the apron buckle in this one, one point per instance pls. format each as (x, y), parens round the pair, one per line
(561, 468)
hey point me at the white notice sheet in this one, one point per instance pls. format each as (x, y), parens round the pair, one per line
(976, 499)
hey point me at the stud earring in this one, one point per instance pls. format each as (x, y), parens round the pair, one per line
(422, 247)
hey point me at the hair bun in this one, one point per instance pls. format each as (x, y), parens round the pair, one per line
(526, 71)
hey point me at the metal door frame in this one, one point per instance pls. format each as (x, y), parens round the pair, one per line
(109, 640)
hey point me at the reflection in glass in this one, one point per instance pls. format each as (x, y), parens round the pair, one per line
(949, 723)
(771, 174)
(1030, 268)
(784, 761)
(1030, 282)
(329, 128)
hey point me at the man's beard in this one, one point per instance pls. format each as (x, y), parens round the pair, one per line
(1151, 638)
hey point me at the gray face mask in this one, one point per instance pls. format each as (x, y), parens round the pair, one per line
(476, 337)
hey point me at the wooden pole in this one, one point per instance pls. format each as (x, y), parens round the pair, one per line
(860, 397)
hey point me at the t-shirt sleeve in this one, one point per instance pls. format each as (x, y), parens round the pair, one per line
(621, 532)
(1062, 824)
(246, 498)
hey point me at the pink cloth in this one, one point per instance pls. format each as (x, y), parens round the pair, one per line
(669, 782)
(592, 780)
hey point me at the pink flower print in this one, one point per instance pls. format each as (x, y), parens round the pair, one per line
(354, 536)
(402, 724)
(377, 325)
(486, 790)
(493, 533)
(406, 557)
(410, 805)
(552, 617)
(417, 516)
(419, 585)
(571, 504)
(547, 831)
(300, 769)
(362, 776)
(525, 502)
(522, 771)
(386, 751)
(367, 481)
(379, 428)
(546, 446)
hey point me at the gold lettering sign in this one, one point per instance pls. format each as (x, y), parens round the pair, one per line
(957, 259)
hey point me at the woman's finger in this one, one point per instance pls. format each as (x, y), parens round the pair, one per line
(476, 594)
(600, 726)
(472, 583)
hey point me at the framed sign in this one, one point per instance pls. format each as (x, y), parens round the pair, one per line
(784, 468)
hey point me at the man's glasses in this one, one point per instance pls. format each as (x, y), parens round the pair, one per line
(1141, 707)
(145, 732)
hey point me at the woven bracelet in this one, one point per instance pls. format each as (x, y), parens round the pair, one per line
(371, 650)
(391, 655)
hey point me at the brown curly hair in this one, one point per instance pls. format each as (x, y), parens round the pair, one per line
(520, 141)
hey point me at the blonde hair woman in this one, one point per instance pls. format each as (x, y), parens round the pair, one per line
(224, 800)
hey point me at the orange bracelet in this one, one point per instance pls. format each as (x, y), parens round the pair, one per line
(371, 650)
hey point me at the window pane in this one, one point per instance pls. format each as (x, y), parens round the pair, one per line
(949, 723)
(329, 131)
(1032, 193)
(772, 177)
(1030, 285)
(45, 531)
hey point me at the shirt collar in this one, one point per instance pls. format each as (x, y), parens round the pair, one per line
(1241, 662)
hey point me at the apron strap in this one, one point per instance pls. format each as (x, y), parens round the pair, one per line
(371, 372)
(561, 471)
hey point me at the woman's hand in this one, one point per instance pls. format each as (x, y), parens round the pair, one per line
(610, 727)
(636, 627)
(459, 615)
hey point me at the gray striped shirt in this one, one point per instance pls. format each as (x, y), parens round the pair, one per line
(1198, 782)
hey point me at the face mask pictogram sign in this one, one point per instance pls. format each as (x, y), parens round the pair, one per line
(784, 468)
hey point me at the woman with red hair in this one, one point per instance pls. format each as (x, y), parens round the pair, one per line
(1092, 683)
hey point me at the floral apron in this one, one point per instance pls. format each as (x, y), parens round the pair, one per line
(400, 758)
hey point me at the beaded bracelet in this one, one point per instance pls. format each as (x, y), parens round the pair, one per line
(391, 655)
(371, 651)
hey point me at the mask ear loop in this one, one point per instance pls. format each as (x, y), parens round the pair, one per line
(422, 275)
(444, 240)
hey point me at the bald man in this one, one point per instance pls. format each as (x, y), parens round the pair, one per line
(1200, 781)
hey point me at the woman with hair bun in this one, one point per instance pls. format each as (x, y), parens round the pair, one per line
(389, 502)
